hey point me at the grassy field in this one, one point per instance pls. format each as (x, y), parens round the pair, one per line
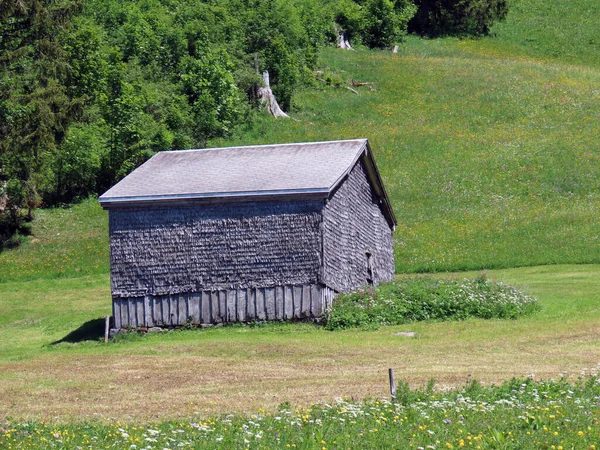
(520, 414)
(242, 368)
(68, 242)
(489, 150)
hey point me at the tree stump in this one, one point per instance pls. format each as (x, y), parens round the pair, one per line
(267, 99)
(343, 41)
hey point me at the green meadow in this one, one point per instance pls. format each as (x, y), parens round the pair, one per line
(490, 162)
(490, 152)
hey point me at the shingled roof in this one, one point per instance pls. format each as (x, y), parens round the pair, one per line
(312, 169)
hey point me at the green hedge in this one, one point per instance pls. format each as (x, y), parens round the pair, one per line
(425, 298)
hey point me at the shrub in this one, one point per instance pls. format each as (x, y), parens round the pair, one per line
(76, 166)
(424, 298)
(457, 17)
(386, 22)
(375, 23)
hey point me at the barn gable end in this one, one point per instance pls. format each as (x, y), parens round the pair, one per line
(357, 239)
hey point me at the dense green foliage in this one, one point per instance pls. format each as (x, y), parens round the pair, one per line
(91, 88)
(35, 108)
(376, 23)
(457, 17)
(520, 413)
(418, 299)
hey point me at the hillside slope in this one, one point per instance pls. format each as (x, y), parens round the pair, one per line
(490, 160)
(489, 148)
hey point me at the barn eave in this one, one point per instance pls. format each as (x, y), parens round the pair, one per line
(209, 198)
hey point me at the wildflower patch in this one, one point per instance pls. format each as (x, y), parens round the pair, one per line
(519, 414)
(425, 298)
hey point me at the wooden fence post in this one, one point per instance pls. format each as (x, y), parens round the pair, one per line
(106, 328)
(392, 384)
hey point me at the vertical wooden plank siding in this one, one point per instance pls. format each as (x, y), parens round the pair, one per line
(139, 311)
(270, 303)
(206, 300)
(305, 308)
(297, 302)
(224, 306)
(194, 304)
(251, 304)
(164, 310)
(231, 306)
(279, 303)
(148, 311)
(181, 316)
(131, 312)
(259, 298)
(241, 305)
(116, 308)
(318, 302)
(173, 309)
(157, 311)
(288, 302)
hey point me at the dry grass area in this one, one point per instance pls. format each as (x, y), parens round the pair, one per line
(244, 369)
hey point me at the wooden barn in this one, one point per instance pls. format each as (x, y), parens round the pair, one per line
(266, 232)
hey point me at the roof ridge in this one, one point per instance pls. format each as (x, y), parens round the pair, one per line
(287, 144)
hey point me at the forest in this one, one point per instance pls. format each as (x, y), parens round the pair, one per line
(90, 89)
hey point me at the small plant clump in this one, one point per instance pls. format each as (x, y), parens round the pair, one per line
(519, 414)
(426, 298)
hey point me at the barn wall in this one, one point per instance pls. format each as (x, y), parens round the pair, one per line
(162, 252)
(223, 306)
(353, 225)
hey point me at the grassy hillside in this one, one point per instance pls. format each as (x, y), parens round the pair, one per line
(489, 148)
(489, 161)
(561, 30)
(66, 242)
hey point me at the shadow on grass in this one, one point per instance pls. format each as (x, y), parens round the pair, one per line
(92, 330)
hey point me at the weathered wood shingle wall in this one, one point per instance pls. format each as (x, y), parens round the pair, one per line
(354, 225)
(188, 249)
